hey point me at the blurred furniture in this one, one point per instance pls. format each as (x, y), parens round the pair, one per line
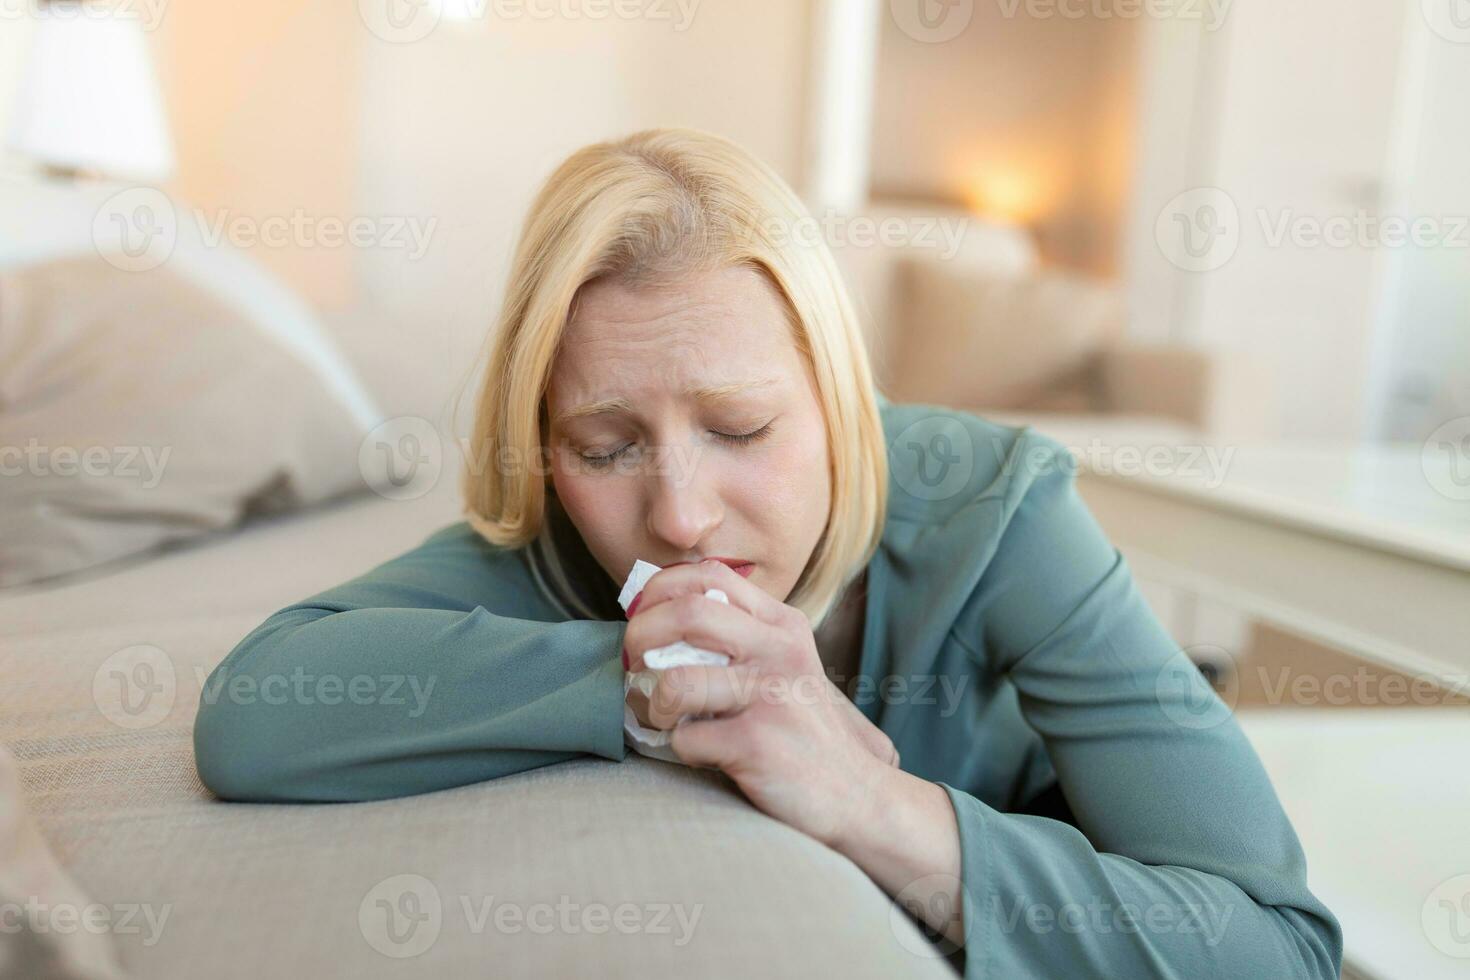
(1378, 799)
(160, 384)
(1361, 549)
(963, 313)
(88, 101)
(409, 887)
(150, 409)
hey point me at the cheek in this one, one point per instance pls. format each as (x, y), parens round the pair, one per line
(598, 507)
(792, 488)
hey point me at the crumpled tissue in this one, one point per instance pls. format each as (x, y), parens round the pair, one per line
(651, 741)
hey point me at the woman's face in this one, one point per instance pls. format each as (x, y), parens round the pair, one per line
(684, 425)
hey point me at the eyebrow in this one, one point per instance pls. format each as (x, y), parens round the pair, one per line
(608, 406)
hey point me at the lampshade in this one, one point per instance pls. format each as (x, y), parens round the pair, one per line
(88, 99)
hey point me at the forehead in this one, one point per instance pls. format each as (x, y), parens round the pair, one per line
(716, 328)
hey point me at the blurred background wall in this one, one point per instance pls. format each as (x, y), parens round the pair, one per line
(1026, 119)
(1084, 129)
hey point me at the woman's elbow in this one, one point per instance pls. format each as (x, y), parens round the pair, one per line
(246, 748)
(228, 754)
(243, 750)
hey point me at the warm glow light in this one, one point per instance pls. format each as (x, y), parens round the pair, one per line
(1015, 198)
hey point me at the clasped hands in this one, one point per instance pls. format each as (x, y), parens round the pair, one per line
(771, 719)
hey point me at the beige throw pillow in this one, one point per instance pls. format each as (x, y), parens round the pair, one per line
(137, 408)
(981, 340)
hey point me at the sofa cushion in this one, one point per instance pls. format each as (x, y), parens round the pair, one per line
(987, 341)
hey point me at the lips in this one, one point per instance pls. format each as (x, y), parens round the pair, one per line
(740, 566)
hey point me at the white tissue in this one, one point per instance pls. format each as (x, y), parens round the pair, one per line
(653, 742)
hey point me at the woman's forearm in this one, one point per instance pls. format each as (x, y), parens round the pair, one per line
(318, 705)
(907, 840)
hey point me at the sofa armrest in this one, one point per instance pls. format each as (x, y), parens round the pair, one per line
(1220, 393)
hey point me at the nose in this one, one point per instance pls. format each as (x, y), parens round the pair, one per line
(683, 509)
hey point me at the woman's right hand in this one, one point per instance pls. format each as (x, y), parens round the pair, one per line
(870, 735)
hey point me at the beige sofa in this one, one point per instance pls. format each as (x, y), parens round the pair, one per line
(638, 870)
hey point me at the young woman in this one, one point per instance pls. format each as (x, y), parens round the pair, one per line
(677, 376)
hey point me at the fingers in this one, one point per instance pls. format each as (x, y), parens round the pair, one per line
(711, 744)
(697, 578)
(638, 701)
(704, 623)
(683, 691)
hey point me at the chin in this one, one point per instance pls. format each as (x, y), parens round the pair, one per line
(780, 592)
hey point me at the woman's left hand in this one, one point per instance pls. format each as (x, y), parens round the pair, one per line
(781, 730)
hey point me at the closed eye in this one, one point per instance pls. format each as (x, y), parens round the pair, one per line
(742, 438)
(598, 460)
(603, 460)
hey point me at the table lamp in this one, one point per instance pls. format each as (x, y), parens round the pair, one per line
(88, 101)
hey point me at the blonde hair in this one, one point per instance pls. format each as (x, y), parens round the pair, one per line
(650, 209)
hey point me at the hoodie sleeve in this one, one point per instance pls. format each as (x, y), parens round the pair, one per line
(441, 667)
(1182, 862)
